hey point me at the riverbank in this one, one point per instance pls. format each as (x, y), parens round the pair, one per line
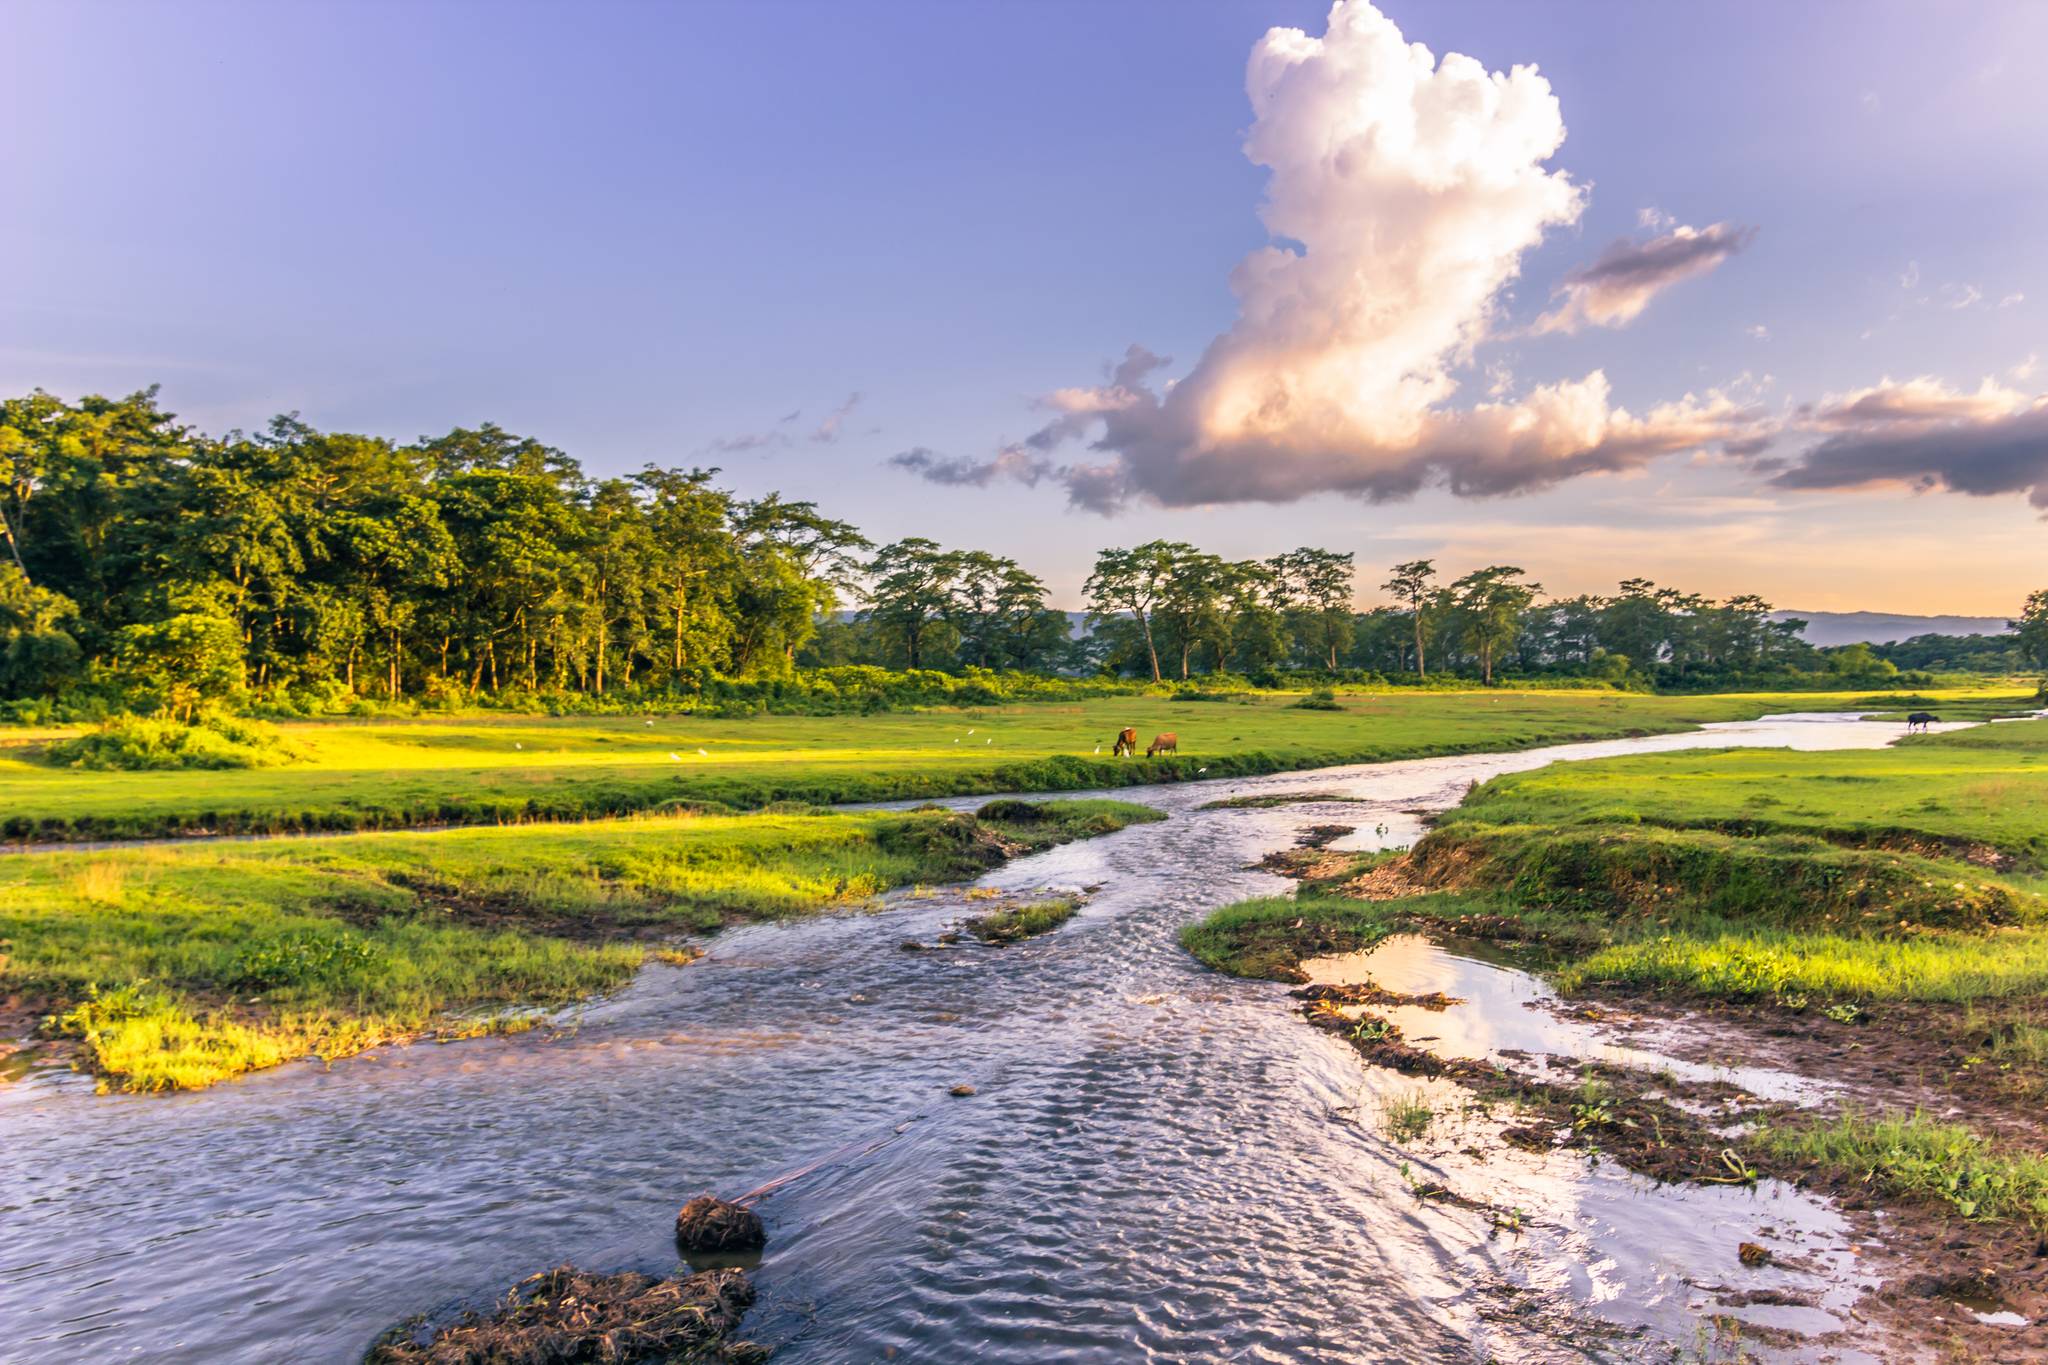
(391, 774)
(174, 968)
(1873, 923)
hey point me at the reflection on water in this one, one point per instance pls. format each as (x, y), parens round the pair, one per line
(1159, 1163)
(1509, 1017)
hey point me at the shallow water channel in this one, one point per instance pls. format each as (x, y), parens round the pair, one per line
(1159, 1162)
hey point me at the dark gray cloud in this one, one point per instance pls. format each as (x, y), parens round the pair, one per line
(1985, 457)
(1623, 279)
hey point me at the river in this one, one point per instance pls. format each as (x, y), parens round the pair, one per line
(1159, 1163)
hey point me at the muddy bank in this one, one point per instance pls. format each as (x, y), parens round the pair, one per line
(1669, 1093)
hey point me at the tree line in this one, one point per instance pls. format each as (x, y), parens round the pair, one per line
(161, 568)
(172, 567)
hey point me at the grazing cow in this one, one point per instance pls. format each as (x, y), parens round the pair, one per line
(1126, 742)
(1920, 720)
(1168, 743)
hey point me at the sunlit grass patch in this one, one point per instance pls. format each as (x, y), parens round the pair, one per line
(1946, 967)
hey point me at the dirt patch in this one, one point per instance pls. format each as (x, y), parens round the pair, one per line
(1366, 993)
(1390, 880)
(1309, 865)
(1900, 1056)
(571, 1317)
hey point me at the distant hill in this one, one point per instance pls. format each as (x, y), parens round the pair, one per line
(1879, 627)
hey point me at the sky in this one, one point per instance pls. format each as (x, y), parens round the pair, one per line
(1741, 298)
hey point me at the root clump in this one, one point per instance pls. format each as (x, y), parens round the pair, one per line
(567, 1316)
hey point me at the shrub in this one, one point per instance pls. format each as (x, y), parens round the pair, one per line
(135, 744)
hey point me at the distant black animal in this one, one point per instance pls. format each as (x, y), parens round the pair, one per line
(1919, 720)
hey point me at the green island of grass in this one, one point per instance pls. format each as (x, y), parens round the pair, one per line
(179, 966)
(1020, 922)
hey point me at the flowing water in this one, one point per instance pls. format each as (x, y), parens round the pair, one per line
(1159, 1162)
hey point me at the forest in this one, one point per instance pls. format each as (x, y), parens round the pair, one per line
(153, 568)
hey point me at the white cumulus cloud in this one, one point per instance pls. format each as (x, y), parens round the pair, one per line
(1404, 192)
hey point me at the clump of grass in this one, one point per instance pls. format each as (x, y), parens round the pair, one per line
(1322, 699)
(1023, 921)
(1269, 936)
(1917, 1157)
(1407, 1118)
(100, 883)
(138, 744)
(1259, 802)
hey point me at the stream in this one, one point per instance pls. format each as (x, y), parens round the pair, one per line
(1159, 1163)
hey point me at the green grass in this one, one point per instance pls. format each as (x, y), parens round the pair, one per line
(1023, 921)
(181, 966)
(471, 770)
(1803, 968)
(1408, 1117)
(1918, 1157)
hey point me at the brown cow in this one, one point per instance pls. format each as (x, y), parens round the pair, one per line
(1168, 743)
(1126, 742)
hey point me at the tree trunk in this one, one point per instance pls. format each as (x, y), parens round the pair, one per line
(1145, 623)
(1419, 671)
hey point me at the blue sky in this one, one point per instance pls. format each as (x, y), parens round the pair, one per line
(654, 232)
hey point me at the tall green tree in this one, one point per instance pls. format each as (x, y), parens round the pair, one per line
(1489, 606)
(1131, 583)
(1410, 585)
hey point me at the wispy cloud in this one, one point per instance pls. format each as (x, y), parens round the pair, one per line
(779, 437)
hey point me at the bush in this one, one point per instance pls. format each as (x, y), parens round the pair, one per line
(135, 744)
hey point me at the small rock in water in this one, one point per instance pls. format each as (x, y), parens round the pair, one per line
(708, 1223)
(961, 1091)
(911, 945)
(1753, 1255)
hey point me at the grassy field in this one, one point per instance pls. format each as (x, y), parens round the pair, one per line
(387, 774)
(1972, 787)
(181, 966)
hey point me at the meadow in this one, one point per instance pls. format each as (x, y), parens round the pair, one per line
(484, 769)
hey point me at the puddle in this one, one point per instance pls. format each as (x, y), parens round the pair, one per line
(1572, 1227)
(1512, 1018)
